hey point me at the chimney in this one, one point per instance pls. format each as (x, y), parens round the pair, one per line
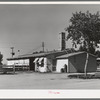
(62, 40)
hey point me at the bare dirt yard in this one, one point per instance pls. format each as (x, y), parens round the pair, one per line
(31, 80)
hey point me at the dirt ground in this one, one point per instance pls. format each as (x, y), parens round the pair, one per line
(31, 80)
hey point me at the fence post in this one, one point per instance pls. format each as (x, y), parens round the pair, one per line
(14, 69)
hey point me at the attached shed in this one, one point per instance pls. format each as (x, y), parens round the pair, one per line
(75, 62)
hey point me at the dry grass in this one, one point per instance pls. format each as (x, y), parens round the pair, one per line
(95, 75)
(33, 80)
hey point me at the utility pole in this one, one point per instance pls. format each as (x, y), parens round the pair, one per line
(12, 53)
(43, 46)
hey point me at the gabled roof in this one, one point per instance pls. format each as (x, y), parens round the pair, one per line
(28, 56)
(43, 54)
(57, 53)
(72, 54)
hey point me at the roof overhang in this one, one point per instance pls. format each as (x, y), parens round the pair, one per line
(66, 56)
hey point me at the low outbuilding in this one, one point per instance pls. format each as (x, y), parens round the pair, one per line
(76, 62)
(56, 61)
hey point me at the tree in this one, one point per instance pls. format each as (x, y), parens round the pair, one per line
(84, 29)
(97, 53)
(1, 58)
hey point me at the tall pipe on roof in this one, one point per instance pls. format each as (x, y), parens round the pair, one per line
(43, 46)
(62, 40)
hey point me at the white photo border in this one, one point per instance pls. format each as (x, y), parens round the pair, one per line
(41, 94)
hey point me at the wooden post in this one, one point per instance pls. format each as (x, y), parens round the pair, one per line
(86, 63)
(14, 69)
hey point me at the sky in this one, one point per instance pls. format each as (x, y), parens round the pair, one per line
(25, 27)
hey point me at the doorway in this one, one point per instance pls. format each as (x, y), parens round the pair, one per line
(61, 65)
(32, 65)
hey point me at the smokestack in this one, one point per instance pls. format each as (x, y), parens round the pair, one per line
(43, 46)
(62, 40)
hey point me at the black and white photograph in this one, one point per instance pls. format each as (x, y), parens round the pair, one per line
(50, 46)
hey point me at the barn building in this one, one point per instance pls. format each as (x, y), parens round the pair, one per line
(63, 60)
(42, 62)
(55, 61)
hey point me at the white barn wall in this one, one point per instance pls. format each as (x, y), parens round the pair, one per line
(44, 68)
(18, 62)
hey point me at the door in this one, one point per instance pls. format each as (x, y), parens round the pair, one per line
(62, 65)
(32, 65)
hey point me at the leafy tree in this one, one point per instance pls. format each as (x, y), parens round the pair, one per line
(97, 53)
(1, 58)
(82, 48)
(84, 29)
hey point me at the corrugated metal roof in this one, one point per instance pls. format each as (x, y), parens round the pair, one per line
(69, 55)
(29, 55)
(72, 54)
(35, 55)
(58, 54)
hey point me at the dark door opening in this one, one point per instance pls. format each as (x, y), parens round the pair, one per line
(65, 67)
(32, 65)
